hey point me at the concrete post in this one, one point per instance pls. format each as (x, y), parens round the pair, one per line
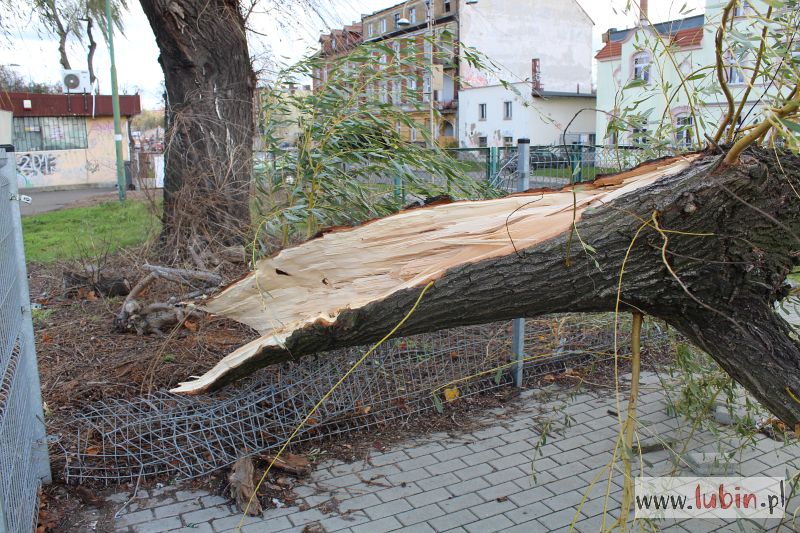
(518, 331)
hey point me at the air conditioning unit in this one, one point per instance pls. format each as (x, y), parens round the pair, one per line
(76, 81)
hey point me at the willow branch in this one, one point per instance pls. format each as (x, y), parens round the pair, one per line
(718, 42)
(753, 79)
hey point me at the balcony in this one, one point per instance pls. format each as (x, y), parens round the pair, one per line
(445, 107)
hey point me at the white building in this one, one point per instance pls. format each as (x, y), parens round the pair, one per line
(635, 75)
(543, 53)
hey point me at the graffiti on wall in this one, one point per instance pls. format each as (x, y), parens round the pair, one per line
(35, 165)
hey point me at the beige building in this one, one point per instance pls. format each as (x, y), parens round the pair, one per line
(66, 141)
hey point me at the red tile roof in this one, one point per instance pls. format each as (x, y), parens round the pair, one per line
(610, 50)
(72, 105)
(683, 39)
(688, 37)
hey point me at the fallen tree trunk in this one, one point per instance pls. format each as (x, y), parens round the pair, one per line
(713, 246)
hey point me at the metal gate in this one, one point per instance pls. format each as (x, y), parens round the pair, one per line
(24, 464)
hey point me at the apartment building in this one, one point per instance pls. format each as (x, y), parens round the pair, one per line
(537, 71)
(632, 72)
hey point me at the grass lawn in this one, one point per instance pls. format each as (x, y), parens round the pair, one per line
(87, 231)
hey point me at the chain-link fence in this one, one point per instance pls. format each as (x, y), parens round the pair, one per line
(23, 448)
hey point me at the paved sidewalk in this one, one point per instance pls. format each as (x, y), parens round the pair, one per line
(44, 201)
(481, 481)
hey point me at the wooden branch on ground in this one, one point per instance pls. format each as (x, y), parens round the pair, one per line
(185, 274)
(705, 247)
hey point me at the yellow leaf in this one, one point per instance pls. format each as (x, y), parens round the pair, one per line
(451, 394)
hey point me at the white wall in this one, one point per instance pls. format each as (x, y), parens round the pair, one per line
(542, 120)
(513, 32)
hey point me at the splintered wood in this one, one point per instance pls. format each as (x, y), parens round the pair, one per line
(349, 268)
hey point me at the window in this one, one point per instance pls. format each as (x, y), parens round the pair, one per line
(447, 6)
(639, 136)
(412, 15)
(481, 111)
(413, 134)
(508, 141)
(641, 66)
(333, 44)
(397, 95)
(483, 142)
(426, 88)
(412, 83)
(396, 49)
(383, 59)
(735, 74)
(397, 128)
(383, 25)
(508, 110)
(396, 20)
(32, 134)
(370, 30)
(384, 92)
(683, 133)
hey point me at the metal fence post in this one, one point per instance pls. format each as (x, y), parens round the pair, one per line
(492, 169)
(518, 330)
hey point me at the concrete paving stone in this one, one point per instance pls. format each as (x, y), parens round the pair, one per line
(359, 502)
(183, 495)
(395, 457)
(495, 430)
(493, 507)
(377, 472)
(434, 482)
(232, 522)
(136, 517)
(391, 508)
(343, 481)
(119, 497)
(446, 466)
(431, 496)
(305, 490)
(209, 501)
(527, 527)
(195, 528)
(508, 474)
(206, 515)
(162, 490)
(424, 449)
(474, 471)
(407, 477)
(276, 524)
(489, 525)
(518, 447)
(387, 495)
(480, 457)
(159, 525)
(506, 462)
(486, 444)
(572, 456)
(304, 517)
(557, 520)
(416, 528)
(418, 462)
(538, 463)
(452, 520)
(420, 514)
(342, 469)
(531, 495)
(344, 522)
(389, 523)
(452, 453)
(468, 486)
(460, 502)
(569, 484)
(498, 491)
(175, 509)
(571, 442)
(527, 513)
(525, 435)
(600, 422)
(567, 470)
(597, 506)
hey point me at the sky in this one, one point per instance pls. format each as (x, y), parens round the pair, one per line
(34, 55)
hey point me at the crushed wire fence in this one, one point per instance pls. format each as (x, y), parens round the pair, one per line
(23, 452)
(185, 437)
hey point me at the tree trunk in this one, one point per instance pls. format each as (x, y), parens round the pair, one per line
(730, 235)
(92, 49)
(210, 82)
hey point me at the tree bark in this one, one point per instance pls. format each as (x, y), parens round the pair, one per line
(705, 247)
(92, 49)
(208, 156)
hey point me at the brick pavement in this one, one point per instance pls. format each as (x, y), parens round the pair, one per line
(479, 481)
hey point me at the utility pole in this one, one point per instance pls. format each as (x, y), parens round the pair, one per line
(121, 184)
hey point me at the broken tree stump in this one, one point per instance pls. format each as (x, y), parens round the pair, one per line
(705, 247)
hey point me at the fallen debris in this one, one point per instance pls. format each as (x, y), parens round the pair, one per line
(242, 480)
